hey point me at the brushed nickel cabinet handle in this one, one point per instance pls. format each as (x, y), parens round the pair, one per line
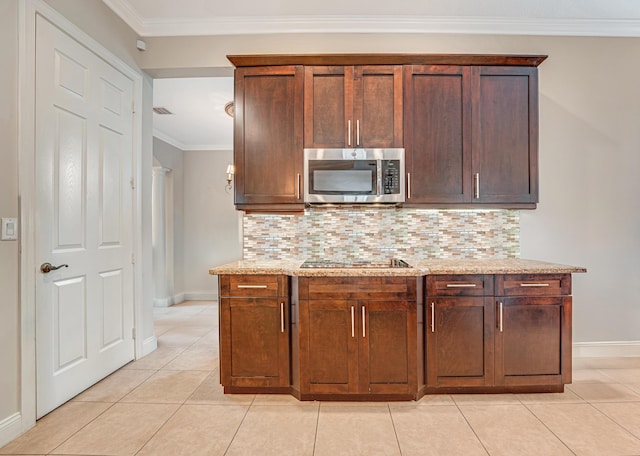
(477, 186)
(349, 132)
(282, 317)
(433, 317)
(534, 284)
(501, 315)
(358, 132)
(461, 285)
(363, 322)
(299, 180)
(353, 325)
(252, 286)
(408, 185)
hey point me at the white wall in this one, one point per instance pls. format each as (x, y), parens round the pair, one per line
(589, 211)
(9, 266)
(171, 157)
(212, 225)
(207, 228)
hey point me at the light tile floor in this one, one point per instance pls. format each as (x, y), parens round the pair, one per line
(170, 403)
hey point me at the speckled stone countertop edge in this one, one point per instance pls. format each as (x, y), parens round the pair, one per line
(419, 268)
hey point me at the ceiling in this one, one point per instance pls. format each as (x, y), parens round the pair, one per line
(199, 121)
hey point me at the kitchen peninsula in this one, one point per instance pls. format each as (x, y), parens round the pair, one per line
(377, 331)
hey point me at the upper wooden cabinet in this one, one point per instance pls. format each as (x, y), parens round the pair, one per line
(468, 123)
(471, 135)
(353, 106)
(268, 133)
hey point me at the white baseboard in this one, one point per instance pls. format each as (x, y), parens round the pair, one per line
(163, 302)
(201, 296)
(10, 428)
(619, 349)
(149, 345)
(186, 296)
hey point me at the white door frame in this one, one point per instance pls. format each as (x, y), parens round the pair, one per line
(26, 151)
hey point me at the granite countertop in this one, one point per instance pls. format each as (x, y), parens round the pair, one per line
(419, 268)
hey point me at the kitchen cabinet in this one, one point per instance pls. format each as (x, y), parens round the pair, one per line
(268, 135)
(460, 336)
(471, 135)
(254, 332)
(358, 336)
(509, 332)
(533, 330)
(505, 134)
(353, 106)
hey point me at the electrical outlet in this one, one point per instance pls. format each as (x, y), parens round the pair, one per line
(9, 229)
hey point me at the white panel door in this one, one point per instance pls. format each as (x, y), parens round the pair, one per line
(84, 146)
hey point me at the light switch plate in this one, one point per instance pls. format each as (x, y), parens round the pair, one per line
(9, 229)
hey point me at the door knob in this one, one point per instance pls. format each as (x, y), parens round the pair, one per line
(48, 267)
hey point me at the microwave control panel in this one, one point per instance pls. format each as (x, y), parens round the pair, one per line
(391, 177)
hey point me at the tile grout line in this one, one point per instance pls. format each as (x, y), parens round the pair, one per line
(239, 426)
(395, 430)
(315, 434)
(547, 427)
(484, 447)
(84, 426)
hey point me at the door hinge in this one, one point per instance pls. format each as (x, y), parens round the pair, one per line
(133, 333)
(133, 258)
(133, 107)
(133, 183)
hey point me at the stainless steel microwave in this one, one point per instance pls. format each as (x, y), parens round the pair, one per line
(354, 176)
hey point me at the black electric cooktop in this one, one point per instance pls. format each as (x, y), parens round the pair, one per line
(330, 264)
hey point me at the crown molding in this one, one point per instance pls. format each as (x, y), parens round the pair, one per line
(187, 147)
(373, 24)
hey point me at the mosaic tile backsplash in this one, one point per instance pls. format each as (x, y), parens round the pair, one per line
(368, 233)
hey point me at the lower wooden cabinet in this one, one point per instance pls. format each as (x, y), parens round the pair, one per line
(379, 338)
(460, 342)
(358, 336)
(515, 336)
(254, 332)
(533, 330)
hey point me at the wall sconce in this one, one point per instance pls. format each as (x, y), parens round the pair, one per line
(231, 170)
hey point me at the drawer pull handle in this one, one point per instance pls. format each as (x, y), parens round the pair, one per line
(433, 317)
(353, 325)
(501, 315)
(282, 317)
(461, 285)
(363, 322)
(534, 284)
(252, 286)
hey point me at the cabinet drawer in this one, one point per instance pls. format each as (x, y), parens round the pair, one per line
(533, 284)
(363, 288)
(252, 285)
(460, 285)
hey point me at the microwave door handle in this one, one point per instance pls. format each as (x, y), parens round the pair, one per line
(379, 177)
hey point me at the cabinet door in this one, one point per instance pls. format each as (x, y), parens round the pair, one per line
(346, 106)
(460, 342)
(254, 342)
(437, 129)
(533, 340)
(268, 133)
(328, 347)
(505, 134)
(328, 107)
(377, 106)
(387, 347)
